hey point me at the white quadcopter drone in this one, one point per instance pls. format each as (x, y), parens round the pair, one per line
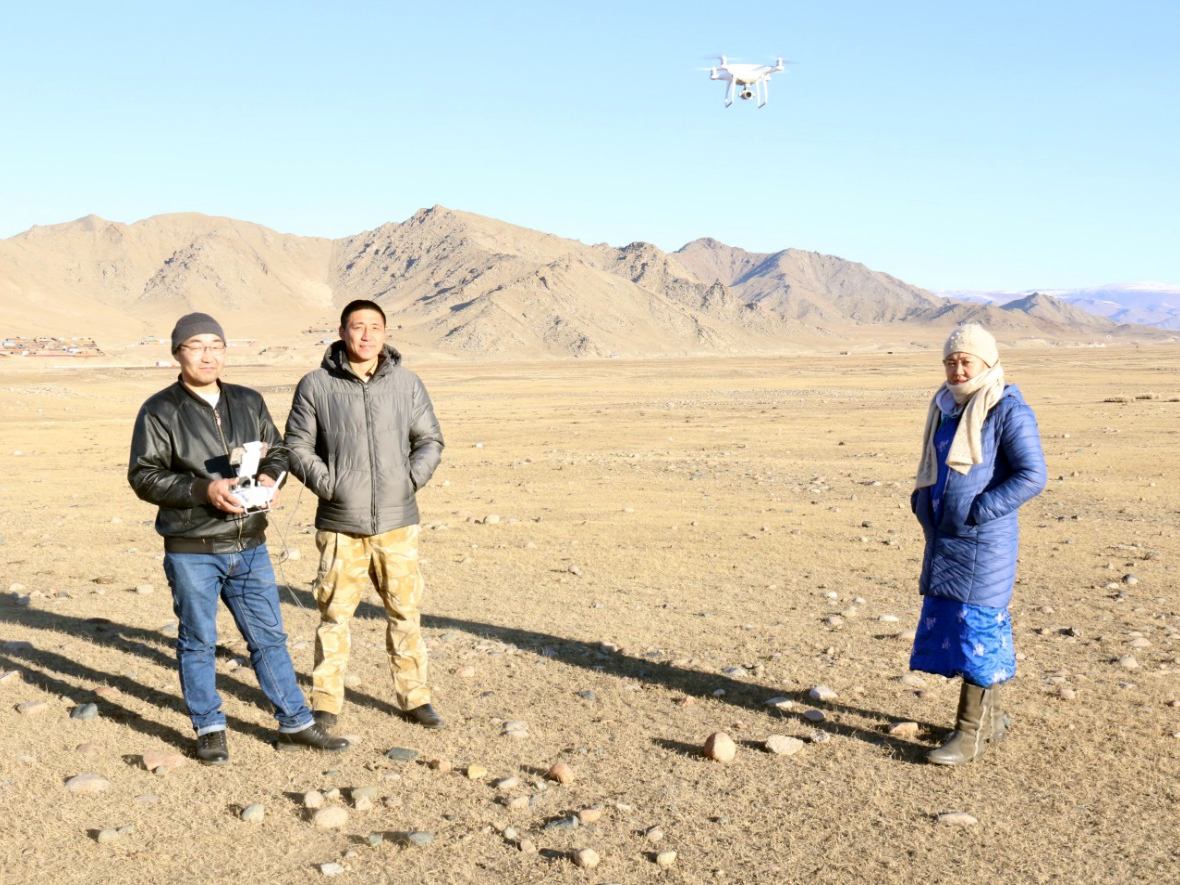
(753, 79)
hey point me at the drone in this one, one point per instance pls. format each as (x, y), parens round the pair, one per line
(753, 79)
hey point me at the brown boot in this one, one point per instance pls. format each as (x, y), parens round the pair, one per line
(973, 728)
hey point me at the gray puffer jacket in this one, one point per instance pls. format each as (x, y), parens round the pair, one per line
(363, 448)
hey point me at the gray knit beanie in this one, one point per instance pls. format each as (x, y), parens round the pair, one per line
(194, 324)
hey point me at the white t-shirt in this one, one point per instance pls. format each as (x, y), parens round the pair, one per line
(211, 398)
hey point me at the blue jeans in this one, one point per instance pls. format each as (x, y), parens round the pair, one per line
(246, 581)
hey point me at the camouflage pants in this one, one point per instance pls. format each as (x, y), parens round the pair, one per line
(348, 565)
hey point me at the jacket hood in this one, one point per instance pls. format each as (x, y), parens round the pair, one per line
(336, 359)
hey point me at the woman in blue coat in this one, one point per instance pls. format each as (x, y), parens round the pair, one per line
(981, 459)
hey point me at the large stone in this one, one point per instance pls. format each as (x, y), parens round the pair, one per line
(253, 813)
(720, 747)
(587, 858)
(87, 784)
(904, 730)
(330, 818)
(822, 693)
(162, 762)
(956, 819)
(781, 745)
(32, 708)
(401, 754)
(560, 772)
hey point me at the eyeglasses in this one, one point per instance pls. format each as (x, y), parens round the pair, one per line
(202, 349)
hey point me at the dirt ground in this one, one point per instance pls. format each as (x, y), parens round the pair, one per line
(673, 537)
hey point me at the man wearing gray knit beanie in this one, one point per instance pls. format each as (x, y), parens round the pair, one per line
(215, 548)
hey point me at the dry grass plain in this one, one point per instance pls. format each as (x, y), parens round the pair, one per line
(695, 514)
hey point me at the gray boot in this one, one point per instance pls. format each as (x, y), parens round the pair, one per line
(973, 728)
(1001, 721)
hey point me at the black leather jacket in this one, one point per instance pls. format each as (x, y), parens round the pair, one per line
(181, 445)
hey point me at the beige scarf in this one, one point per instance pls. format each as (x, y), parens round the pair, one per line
(981, 393)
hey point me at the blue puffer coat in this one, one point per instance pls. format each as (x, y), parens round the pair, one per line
(971, 552)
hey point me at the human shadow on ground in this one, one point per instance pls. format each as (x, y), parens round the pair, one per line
(696, 683)
(41, 665)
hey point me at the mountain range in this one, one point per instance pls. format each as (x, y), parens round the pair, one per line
(1145, 304)
(455, 283)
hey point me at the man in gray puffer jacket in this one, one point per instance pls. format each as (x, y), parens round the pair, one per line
(363, 437)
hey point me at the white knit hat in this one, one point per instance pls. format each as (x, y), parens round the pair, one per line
(974, 339)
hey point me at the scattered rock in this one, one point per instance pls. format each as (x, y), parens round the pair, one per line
(401, 754)
(569, 822)
(574, 570)
(107, 693)
(112, 834)
(560, 772)
(476, 772)
(419, 838)
(1128, 662)
(528, 846)
(87, 784)
(654, 834)
(87, 749)
(779, 703)
(84, 711)
(491, 519)
(888, 619)
(375, 839)
(330, 818)
(1130, 580)
(720, 747)
(162, 762)
(31, 708)
(442, 765)
(586, 858)
(834, 621)
(822, 693)
(147, 800)
(362, 803)
(814, 715)
(587, 695)
(1140, 642)
(467, 672)
(516, 728)
(781, 745)
(518, 803)
(956, 819)
(912, 680)
(313, 799)
(1066, 693)
(591, 815)
(331, 869)
(144, 589)
(10, 677)
(904, 730)
(253, 813)
(665, 859)
(506, 783)
(351, 680)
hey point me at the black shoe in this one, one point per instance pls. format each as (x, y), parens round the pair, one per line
(425, 716)
(212, 749)
(324, 719)
(314, 737)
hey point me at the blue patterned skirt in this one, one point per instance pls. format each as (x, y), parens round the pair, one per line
(971, 641)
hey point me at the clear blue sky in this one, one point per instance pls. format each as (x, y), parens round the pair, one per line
(955, 145)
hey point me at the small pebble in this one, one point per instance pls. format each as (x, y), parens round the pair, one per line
(418, 838)
(162, 761)
(665, 859)
(313, 799)
(956, 819)
(904, 730)
(814, 715)
(31, 708)
(506, 783)
(560, 772)
(528, 846)
(781, 745)
(1128, 662)
(330, 818)
(253, 813)
(87, 784)
(586, 858)
(822, 693)
(476, 772)
(375, 839)
(654, 834)
(591, 815)
(144, 589)
(720, 747)
(331, 869)
(401, 754)
(87, 749)
(443, 765)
